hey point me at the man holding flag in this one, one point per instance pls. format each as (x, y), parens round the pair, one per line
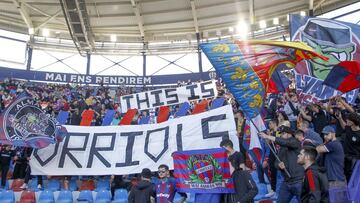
(289, 149)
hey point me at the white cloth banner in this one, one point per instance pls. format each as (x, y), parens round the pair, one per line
(169, 96)
(120, 150)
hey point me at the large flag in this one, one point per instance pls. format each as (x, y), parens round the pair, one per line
(345, 76)
(203, 171)
(339, 41)
(24, 123)
(247, 66)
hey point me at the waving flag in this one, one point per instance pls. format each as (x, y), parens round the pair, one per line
(23, 123)
(345, 76)
(246, 67)
(203, 171)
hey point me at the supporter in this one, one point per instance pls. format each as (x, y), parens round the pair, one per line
(165, 186)
(314, 188)
(337, 106)
(273, 125)
(23, 157)
(118, 182)
(310, 134)
(334, 158)
(351, 141)
(283, 119)
(291, 109)
(144, 191)
(245, 187)
(6, 156)
(232, 154)
(240, 124)
(300, 135)
(317, 117)
(75, 117)
(289, 149)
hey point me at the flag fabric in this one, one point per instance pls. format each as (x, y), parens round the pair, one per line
(203, 171)
(87, 117)
(247, 66)
(345, 76)
(25, 124)
(337, 40)
(278, 82)
(256, 148)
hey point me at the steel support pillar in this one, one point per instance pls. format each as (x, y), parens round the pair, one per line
(29, 57)
(88, 56)
(199, 52)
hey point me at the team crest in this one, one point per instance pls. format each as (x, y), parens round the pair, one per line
(204, 169)
(25, 124)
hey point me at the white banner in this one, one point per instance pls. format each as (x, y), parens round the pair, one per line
(120, 150)
(169, 96)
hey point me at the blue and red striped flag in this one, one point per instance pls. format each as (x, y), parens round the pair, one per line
(345, 76)
(203, 171)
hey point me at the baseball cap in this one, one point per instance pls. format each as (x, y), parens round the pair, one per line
(328, 129)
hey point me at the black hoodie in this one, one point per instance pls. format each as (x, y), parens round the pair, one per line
(141, 192)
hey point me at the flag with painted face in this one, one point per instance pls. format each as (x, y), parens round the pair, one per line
(203, 171)
(246, 67)
(339, 41)
(24, 123)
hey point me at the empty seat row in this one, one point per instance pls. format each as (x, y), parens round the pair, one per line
(47, 196)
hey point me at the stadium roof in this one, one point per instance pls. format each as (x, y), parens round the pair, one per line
(138, 25)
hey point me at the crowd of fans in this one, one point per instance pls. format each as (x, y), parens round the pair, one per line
(313, 146)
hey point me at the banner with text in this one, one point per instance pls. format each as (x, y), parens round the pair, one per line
(169, 96)
(103, 79)
(312, 90)
(128, 149)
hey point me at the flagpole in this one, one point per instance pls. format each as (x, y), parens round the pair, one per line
(272, 150)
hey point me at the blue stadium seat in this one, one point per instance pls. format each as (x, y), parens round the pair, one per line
(183, 110)
(46, 196)
(102, 184)
(7, 196)
(62, 117)
(65, 197)
(219, 102)
(103, 196)
(53, 185)
(109, 115)
(33, 185)
(190, 198)
(120, 196)
(85, 196)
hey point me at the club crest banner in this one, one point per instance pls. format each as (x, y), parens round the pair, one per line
(169, 96)
(203, 171)
(24, 123)
(118, 150)
(339, 41)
